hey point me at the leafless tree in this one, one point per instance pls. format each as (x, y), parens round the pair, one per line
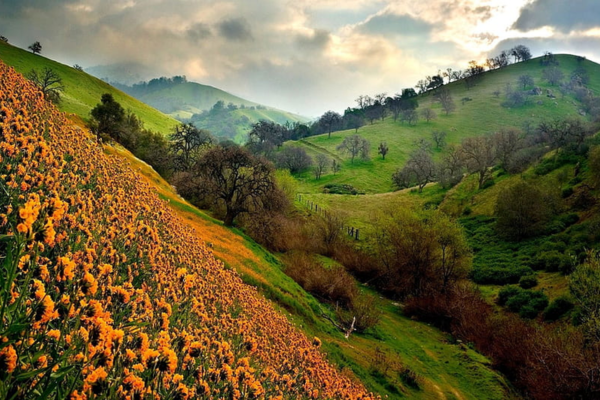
(383, 149)
(49, 82)
(479, 155)
(444, 96)
(353, 146)
(439, 138)
(320, 167)
(419, 170)
(428, 114)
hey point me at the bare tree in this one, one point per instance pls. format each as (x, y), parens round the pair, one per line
(428, 114)
(450, 169)
(445, 98)
(507, 142)
(422, 144)
(320, 167)
(411, 116)
(553, 75)
(353, 146)
(49, 82)
(383, 149)
(236, 180)
(419, 170)
(526, 80)
(335, 166)
(439, 138)
(478, 155)
(187, 144)
(295, 159)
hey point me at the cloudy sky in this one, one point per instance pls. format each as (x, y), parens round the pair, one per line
(305, 56)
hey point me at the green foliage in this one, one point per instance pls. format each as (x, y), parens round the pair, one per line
(499, 275)
(528, 304)
(558, 308)
(334, 188)
(584, 285)
(528, 281)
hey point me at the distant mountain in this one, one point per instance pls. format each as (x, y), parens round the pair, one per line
(123, 73)
(231, 116)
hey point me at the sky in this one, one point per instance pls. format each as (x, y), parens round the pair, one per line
(303, 56)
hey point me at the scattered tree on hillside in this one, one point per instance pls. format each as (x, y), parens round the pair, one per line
(507, 141)
(526, 80)
(321, 164)
(3, 39)
(329, 121)
(108, 116)
(444, 96)
(553, 75)
(354, 121)
(478, 154)
(295, 159)
(236, 180)
(428, 114)
(450, 169)
(421, 254)
(521, 211)
(383, 149)
(335, 166)
(49, 82)
(78, 67)
(520, 53)
(410, 116)
(187, 143)
(35, 47)
(353, 146)
(439, 138)
(419, 170)
(265, 136)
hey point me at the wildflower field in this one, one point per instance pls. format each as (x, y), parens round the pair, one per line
(105, 293)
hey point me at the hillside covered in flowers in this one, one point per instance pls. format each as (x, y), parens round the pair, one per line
(105, 293)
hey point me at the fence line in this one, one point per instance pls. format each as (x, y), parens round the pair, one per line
(351, 231)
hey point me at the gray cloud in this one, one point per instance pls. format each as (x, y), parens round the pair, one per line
(391, 24)
(562, 14)
(317, 40)
(236, 29)
(199, 31)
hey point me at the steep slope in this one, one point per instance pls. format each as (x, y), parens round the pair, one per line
(482, 114)
(107, 293)
(83, 91)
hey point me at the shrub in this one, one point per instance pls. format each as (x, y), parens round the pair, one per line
(527, 303)
(528, 281)
(506, 293)
(552, 261)
(567, 192)
(558, 308)
(499, 275)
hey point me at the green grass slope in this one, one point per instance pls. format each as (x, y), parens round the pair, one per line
(482, 115)
(83, 91)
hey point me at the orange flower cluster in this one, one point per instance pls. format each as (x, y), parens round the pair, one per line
(110, 295)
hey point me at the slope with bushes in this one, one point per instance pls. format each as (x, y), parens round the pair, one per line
(482, 114)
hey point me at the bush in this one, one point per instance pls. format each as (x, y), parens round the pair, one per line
(527, 303)
(558, 308)
(335, 188)
(528, 281)
(506, 293)
(499, 275)
(569, 219)
(567, 192)
(552, 261)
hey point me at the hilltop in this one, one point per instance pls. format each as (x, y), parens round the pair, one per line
(481, 114)
(83, 91)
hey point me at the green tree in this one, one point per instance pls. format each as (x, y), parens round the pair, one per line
(35, 47)
(108, 116)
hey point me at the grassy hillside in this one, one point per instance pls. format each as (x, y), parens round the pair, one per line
(482, 115)
(83, 91)
(445, 369)
(107, 293)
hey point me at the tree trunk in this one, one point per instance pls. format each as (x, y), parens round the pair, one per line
(228, 221)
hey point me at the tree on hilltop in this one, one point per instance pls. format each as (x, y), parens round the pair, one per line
(329, 121)
(35, 47)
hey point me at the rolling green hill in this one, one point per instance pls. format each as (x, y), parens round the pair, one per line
(83, 91)
(191, 101)
(481, 115)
